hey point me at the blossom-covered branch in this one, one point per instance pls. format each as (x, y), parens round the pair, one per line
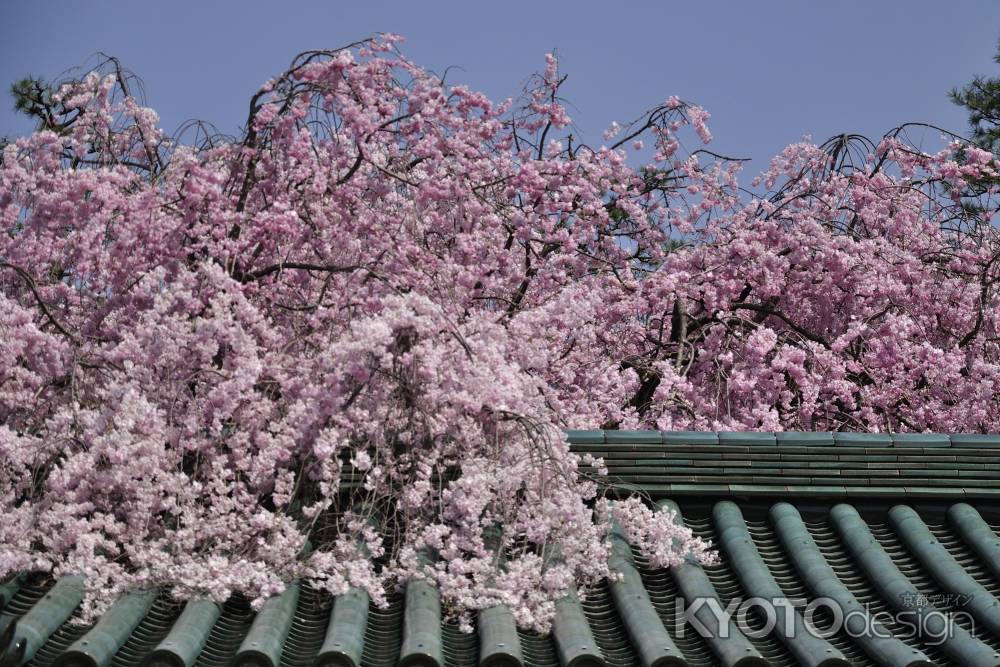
(344, 345)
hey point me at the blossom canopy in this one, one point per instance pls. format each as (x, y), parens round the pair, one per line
(344, 345)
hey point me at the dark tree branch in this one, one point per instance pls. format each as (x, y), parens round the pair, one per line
(29, 281)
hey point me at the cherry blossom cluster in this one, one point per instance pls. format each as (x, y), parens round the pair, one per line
(344, 346)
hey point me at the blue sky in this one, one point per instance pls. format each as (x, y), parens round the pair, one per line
(768, 71)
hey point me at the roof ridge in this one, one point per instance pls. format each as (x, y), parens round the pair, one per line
(793, 438)
(824, 464)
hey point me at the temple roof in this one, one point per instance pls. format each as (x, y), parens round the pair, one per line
(892, 531)
(814, 464)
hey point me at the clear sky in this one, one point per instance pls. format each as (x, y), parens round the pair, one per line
(769, 71)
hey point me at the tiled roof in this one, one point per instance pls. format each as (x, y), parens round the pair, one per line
(848, 465)
(892, 557)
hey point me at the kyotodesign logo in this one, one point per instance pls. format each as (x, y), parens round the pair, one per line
(823, 617)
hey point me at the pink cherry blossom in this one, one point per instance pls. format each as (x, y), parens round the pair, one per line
(365, 324)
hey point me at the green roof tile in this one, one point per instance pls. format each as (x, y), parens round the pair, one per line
(422, 637)
(822, 580)
(633, 437)
(344, 641)
(41, 621)
(816, 490)
(834, 554)
(585, 437)
(975, 440)
(901, 594)
(757, 580)
(264, 643)
(846, 439)
(643, 464)
(872, 491)
(573, 635)
(746, 438)
(816, 438)
(188, 635)
(689, 437)
(619, 623)
(991, 493)
(499, 642)
(925, 440)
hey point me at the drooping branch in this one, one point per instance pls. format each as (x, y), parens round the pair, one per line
(30, 283)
